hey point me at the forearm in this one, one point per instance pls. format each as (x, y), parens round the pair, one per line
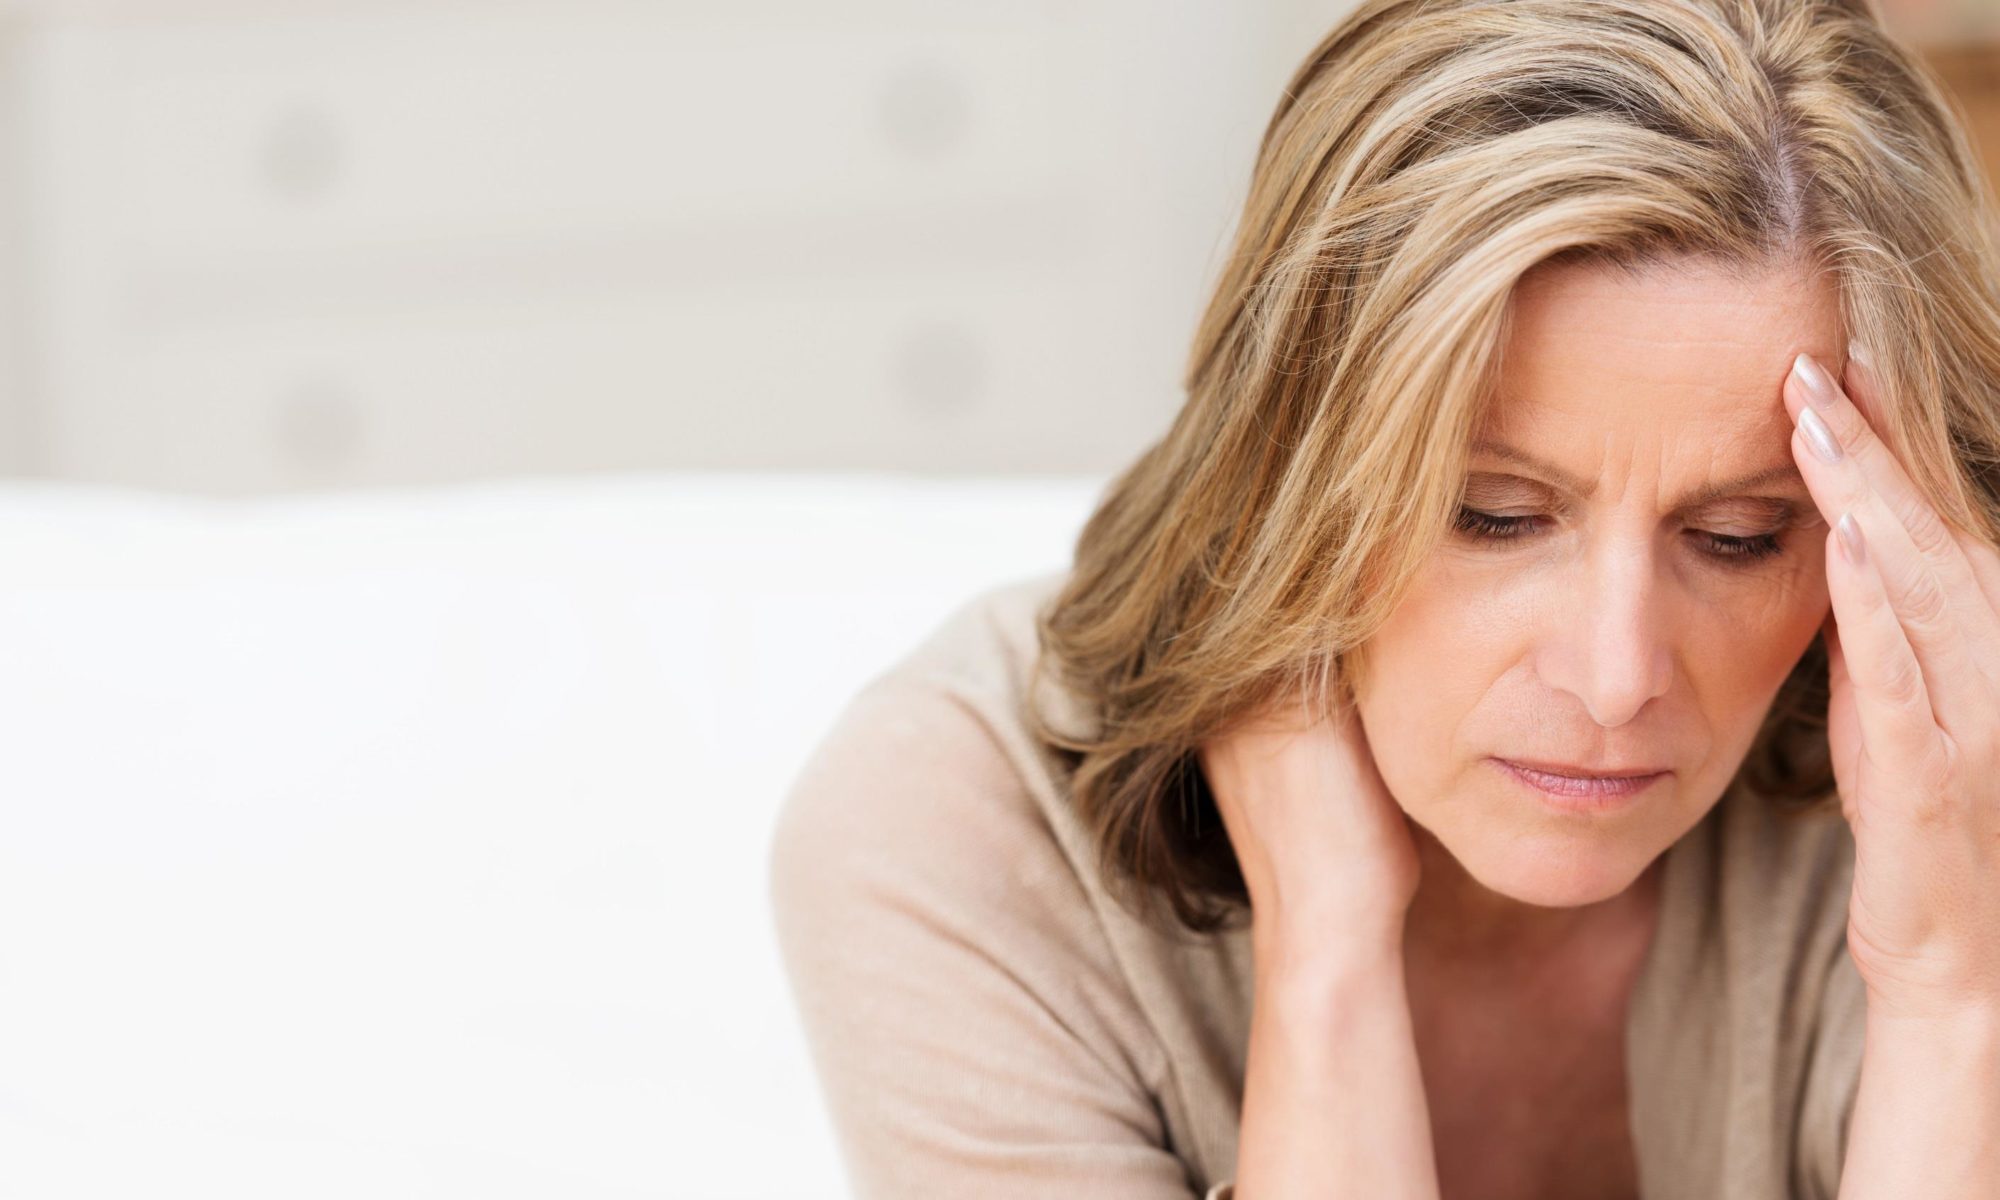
(1333, 1099)
(1926, 1116)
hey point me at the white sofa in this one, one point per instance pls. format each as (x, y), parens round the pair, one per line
(411, 843)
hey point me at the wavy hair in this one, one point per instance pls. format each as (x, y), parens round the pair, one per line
(1426, 155)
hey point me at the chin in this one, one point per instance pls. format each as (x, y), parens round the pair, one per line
(1558, 885)
(1550, 867)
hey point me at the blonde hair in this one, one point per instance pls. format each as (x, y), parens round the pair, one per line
(1425, 156)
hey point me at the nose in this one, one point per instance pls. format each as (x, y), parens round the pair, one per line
(1610, 645)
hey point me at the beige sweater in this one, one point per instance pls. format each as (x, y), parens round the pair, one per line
(986, 1022)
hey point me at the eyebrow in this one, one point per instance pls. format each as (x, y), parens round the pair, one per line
(1786, 473)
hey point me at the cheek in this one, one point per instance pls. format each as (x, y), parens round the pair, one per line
(1743, 644)
(1431, 665)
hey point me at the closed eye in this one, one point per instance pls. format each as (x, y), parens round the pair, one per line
(1727, 549)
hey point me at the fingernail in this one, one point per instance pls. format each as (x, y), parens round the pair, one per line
(1850, 539)
(1818, 436)
(1819, 388)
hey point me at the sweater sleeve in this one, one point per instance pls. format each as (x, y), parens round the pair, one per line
(969, 1027)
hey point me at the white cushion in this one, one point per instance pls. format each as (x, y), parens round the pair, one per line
(411, 843)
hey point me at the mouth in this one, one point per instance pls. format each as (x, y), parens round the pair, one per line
(1563, 779)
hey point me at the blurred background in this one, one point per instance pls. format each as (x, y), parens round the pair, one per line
(289, 244)
(282, 245)
(455, 461)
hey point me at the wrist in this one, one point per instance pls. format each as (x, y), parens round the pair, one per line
(1968, 1014)
(1969, 1027)
(1314, 958)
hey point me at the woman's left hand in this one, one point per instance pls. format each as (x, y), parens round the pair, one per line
(1913, 642)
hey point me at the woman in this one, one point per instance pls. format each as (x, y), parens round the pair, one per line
(1531, 728)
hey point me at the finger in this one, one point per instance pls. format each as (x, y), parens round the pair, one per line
(1864, 389)
(1892, 699)
(1985, 562)
(1947, 621)
(1841, 737)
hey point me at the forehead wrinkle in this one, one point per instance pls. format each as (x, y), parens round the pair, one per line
(1786, 473)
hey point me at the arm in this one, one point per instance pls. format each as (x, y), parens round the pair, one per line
(1913, 724)
(1333, 1099)
(1927, 1109)
(972, 1034)
(1334, 1103)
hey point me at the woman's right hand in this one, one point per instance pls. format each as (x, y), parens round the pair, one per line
(1320, 840)
(1333, 1101)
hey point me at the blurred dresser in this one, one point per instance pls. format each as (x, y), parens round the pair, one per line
(262, 245)
(281, 244)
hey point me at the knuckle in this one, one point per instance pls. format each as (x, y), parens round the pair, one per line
(1924, 603)
(1903, 682)
(1928, 531)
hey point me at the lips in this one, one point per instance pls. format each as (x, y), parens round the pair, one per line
(1580, 793)
(1574, 771)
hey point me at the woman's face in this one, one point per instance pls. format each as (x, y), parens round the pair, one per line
(1617, 597)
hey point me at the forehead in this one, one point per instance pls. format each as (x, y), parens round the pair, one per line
(1679, 350)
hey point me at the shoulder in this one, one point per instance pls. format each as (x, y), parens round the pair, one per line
(931, 761)
(983, 656)
(944, 940)
(927, 818)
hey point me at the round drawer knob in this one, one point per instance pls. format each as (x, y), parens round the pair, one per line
(318, 426)
(940, 369)
(925, 110)
(301, 156)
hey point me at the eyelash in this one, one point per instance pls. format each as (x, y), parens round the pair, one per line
(1723, 548)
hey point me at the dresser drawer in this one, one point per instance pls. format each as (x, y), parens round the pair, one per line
(978, 372)
(310, 134)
